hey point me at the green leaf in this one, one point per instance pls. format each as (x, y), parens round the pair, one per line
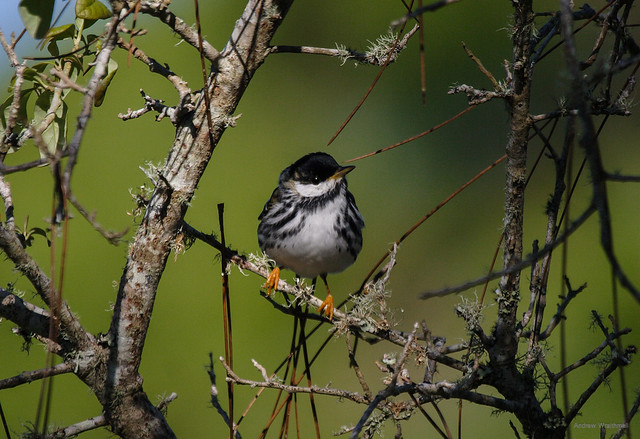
(101, 90)
(61, 32)
(83, 24)
(55, 135)
(34, 73)
(52, 47)
(38, 231)
(91, 10)
(36, 16)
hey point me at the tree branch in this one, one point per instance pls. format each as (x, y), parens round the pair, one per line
(158, 9)
(34, 375)
(373, 57)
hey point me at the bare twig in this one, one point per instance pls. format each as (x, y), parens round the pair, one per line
(429, 8)
(391, 55)
(7, 140)
(623, 178)
(356, 368)
(216, 402)
(5, 170)
(427, 216)
(66, 82)
(632, 413)
(339, 393)
(151, 104)
(349, 54)
(80, 427)
(154, 66)
(114, 238)
(100, 70)
(481, 67)
(584, 397)
(34, 375)
(517, 267)
(558, 316)
(476, 96)
(389, 390)
(591, 355)
(190, 35)
(589, 142)
(411, 139)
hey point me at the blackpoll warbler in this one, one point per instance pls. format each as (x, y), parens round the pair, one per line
(311, 224)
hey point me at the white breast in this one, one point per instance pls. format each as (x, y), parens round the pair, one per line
(318, 248)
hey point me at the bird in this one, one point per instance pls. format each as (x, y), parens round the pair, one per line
(311, 224)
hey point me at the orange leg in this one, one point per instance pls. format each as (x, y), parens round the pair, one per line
(327, 307)
(272, 281)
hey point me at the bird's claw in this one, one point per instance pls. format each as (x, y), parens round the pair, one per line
(327, 307)
(272, 281)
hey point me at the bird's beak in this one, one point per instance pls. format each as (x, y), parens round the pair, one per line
(344, 170)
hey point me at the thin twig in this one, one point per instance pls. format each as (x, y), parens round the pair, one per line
(347, 54)
(339, 393)
(356, 368)
(66, 82)
(591, 355)
(429, 8)
(390, 56)
(389, 390)
(589, 142)
(516, 267)
(185, 31)
(427, 216)
(155, 67)
(625, 427)
(216, 402)
(226, 315)
(80, 427)
(34, 375)
(481, 67)
(114, 238)
(411, 139)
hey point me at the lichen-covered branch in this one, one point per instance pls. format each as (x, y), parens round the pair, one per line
(191, 151)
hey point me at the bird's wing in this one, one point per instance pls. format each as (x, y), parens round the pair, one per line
(275, 197)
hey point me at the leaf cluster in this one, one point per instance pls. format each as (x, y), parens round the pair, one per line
(35, 106)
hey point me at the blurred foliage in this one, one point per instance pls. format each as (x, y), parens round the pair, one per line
(292, 107)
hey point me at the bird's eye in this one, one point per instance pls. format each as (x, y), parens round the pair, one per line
(315, 179)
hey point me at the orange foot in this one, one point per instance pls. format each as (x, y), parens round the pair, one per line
(272, 281)
(327, 307)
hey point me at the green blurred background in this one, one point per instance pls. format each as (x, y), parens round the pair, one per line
(293, 106)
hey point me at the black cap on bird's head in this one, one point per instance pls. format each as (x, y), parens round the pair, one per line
(315, 168)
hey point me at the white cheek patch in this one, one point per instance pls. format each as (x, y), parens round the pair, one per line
(314, 190)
